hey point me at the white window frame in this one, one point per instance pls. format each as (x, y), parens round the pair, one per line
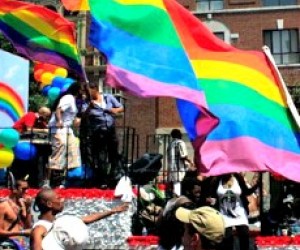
(282, 56)
(209, 5)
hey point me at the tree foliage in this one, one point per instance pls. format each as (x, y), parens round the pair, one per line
(36, 99)
(6, 45)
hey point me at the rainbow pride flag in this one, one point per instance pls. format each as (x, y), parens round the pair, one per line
(158, 48)
(76, 5)
(40, 34)
(147, 57)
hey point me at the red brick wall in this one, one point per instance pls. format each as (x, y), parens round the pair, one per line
(228, 4)
(167, 115)
(140, 113)
(189, 4)
(250, 26)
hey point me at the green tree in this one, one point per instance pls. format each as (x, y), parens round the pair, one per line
(6, 45)
(36, 99)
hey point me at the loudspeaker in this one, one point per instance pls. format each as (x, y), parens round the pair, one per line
(145, 169)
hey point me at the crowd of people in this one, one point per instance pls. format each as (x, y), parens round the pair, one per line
(17, 223)
(219, 205)
(91, 112)
(199, 213)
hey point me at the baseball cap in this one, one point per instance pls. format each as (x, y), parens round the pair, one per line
(68, 232)
(206, 220)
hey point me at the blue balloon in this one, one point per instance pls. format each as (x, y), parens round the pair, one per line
(65, 87)
(9, 137)
(69, 80)
(25, 151)
(58, 82)
(81, 173)
(45, 90)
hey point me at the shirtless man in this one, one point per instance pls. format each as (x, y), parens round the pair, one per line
(15, 215)
(50, 204)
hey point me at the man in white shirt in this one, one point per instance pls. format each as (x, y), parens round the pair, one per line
(178, 161)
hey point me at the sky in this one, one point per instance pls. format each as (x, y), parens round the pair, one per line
(14, 71)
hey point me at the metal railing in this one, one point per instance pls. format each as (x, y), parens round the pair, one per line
(35, 161)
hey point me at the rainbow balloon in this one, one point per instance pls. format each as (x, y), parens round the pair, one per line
(11, 103)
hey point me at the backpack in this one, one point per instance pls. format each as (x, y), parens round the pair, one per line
(145, 169)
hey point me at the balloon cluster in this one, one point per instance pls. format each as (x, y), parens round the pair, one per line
(9, 138)
(11, 148)
(53, 80)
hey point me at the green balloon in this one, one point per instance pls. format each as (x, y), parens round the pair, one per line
(9, 137)
(53, 93)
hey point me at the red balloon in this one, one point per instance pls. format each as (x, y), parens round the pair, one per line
(38, 74)
(46, 67)
(37, 66)
(49, 68)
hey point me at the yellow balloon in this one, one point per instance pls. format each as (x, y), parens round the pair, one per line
(61, 72)
(47, 78)
(42, 85)
(6, 157)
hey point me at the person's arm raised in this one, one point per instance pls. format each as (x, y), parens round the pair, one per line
(100, 215)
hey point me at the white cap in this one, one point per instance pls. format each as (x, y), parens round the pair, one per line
(68, 232)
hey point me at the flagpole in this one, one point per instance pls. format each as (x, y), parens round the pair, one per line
(288, 97)
(83, 71)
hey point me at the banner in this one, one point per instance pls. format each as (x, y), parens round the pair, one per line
(14, 87)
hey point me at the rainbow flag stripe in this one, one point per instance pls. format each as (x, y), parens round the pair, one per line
(40, 34)
(158, 48)
(11, 103)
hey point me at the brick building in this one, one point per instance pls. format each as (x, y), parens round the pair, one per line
(246, 24)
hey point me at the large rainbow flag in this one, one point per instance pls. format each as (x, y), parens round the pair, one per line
(40, 34)
(158, 48)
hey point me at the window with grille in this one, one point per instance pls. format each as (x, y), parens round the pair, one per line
(109, 90)
(98, 58)
(206, 5)
(284, 45)
(279, 2)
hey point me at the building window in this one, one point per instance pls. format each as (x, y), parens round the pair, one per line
(220, 35)
(206, 5)
(219, 29)
(98, 58)
(279, 2)
(109, 90)
(284, 45)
